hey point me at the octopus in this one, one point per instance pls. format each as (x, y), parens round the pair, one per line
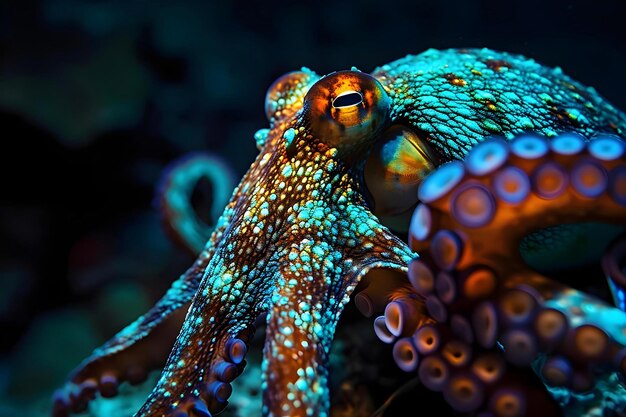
(455, 195)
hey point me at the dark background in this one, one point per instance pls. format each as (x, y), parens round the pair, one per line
(97, 97)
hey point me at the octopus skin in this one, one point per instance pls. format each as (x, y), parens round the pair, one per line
(470, 150)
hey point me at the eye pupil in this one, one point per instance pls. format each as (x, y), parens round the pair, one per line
(347, 99)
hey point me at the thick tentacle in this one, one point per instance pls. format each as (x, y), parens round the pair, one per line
(175, 192)
(210, 349)
(306, 305)
(140, 347)
(472, 276)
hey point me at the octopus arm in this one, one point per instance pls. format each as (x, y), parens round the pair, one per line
(474, 279)
(141, 346)
(176, 190)
(209, 351)
(306, 304)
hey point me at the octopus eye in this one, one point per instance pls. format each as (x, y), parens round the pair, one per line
(347, 99)
(285, 96)
(346, 109)
(395, 168)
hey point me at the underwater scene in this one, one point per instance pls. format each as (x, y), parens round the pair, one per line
(335, 208)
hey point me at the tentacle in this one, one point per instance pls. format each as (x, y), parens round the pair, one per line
(174, 197)
(129, 355)
(140, 347)
(210, 349)
(306, 305)
(469, 377)
(468, 229)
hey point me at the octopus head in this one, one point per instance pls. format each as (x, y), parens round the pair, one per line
(351, 112)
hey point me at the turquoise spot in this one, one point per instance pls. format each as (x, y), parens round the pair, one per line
(260, 137)
(362, 228)
(301, 385)
(304, 214)
(484, 96)
(318, 214)
(318, 251)
(289, 135)
(287, 170)
(318, 175)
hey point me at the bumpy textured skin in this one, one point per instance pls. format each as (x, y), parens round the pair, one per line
(459, 98)
(299, 233)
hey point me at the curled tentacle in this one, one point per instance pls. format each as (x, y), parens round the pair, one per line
(175, 195)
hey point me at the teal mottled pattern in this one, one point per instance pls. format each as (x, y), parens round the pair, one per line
(460, 96)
